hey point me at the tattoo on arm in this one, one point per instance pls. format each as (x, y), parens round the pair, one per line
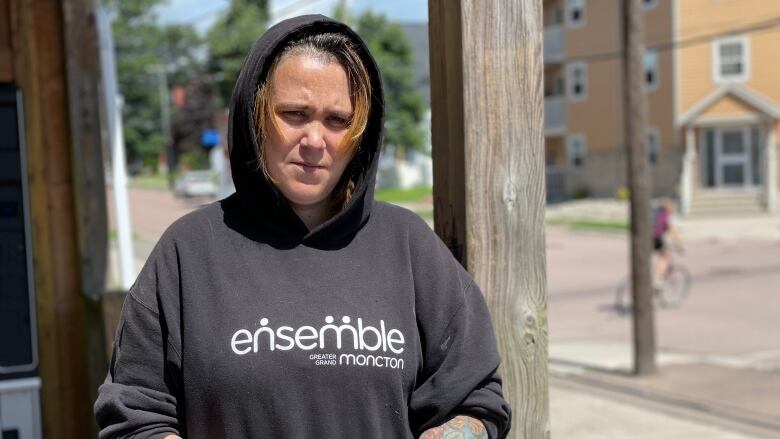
(459, 427)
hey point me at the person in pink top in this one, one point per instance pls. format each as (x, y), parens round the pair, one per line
(664, 228)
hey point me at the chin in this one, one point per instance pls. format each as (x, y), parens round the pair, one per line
(305, 195)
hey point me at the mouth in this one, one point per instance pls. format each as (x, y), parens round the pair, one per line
(308, 167)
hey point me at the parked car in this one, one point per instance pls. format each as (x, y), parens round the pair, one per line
(196, 184)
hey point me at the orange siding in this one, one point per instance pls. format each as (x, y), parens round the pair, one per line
(728, 105)
(706, 19)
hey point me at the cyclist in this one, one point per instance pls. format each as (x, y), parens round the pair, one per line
(664, 228)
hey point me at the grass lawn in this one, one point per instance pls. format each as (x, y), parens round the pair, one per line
(413, 195)
(590, 224)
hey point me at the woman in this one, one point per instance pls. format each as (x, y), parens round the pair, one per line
(299, 307)
(664, 230)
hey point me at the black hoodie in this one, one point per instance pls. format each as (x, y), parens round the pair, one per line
(245, 324)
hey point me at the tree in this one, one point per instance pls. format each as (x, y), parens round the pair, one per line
(229, 40)
(141, 43)
(404, 107)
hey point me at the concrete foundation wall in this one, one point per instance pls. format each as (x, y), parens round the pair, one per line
(604, 173)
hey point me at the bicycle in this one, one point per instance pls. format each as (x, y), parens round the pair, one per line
(670, 293)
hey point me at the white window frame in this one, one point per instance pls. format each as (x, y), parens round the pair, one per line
(656, 133)
(570, 4)
(571, 140)
(570, 67)
(717, 76)
(648, 5)
(653, 54)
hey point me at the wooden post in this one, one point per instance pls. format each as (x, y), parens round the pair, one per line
(488, 155)
(639, 184)
(62, 216)
(6, 53)
(88, 135)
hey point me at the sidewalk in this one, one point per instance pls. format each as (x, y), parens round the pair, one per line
(724, 228)
(593, 395)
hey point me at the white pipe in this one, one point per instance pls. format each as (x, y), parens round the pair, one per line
(118, 170)
(771, 171)
(686, 180)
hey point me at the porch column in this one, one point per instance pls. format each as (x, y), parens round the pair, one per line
(771, 171)
(686, 178)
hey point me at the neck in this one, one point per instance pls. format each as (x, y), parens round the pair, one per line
(313, 215)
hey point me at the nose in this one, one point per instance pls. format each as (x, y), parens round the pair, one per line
(314, 136)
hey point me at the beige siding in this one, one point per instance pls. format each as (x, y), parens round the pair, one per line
(595, 117)
(599, 34)
(728, 105)
(600, 116)
(658, 31)
(705, 19)
(765, 60)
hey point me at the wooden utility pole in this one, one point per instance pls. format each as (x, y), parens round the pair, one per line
(488, 158)
(639, 185)
(52, 58)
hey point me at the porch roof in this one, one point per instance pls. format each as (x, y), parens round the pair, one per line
(762, 104)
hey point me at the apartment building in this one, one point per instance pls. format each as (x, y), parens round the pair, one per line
(712, 83)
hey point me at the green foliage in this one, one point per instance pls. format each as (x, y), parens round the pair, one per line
(622, 193)
(230, 39)
(141, 44)
(404, 107)
(580, 193)
(591, 224)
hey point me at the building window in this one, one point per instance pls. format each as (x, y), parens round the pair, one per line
(651, 69)
(653, 144)
(649, 4)
(730, 59)
(575, 151)
(575, 13)
(576, 80)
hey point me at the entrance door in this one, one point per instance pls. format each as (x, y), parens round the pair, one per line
(732, 157)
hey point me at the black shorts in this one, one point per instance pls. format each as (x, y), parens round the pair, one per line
(658, 243)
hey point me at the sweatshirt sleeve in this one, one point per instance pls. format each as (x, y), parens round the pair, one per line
(141, 396)
(460, 357)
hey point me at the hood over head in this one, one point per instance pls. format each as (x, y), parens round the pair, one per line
(256, 196)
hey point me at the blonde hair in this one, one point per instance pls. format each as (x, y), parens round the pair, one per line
(328, 47)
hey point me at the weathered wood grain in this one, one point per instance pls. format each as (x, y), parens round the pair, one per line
(88, 139)
(488, 153)
(6, 51)
(39, 69)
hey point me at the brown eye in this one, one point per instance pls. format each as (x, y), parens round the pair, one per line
(338, 121)
(293, 115)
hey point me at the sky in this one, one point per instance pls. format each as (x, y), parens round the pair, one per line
(203, 12)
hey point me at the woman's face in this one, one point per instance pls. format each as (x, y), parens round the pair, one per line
(311, 103)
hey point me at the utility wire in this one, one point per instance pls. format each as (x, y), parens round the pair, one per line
(687, 42)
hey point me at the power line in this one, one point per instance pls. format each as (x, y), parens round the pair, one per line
(691, 41)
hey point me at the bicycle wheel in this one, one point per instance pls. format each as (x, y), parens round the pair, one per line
(676, 286)
(623, 299)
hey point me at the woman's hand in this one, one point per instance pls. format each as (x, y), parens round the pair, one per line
(470, 428)
(172, 436)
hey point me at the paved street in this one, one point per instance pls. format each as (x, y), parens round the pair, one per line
(732, 309)
(719, 353)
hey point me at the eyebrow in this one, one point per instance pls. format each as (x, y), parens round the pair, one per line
(306, 107)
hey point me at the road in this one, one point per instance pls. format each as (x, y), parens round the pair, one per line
(732, 308)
